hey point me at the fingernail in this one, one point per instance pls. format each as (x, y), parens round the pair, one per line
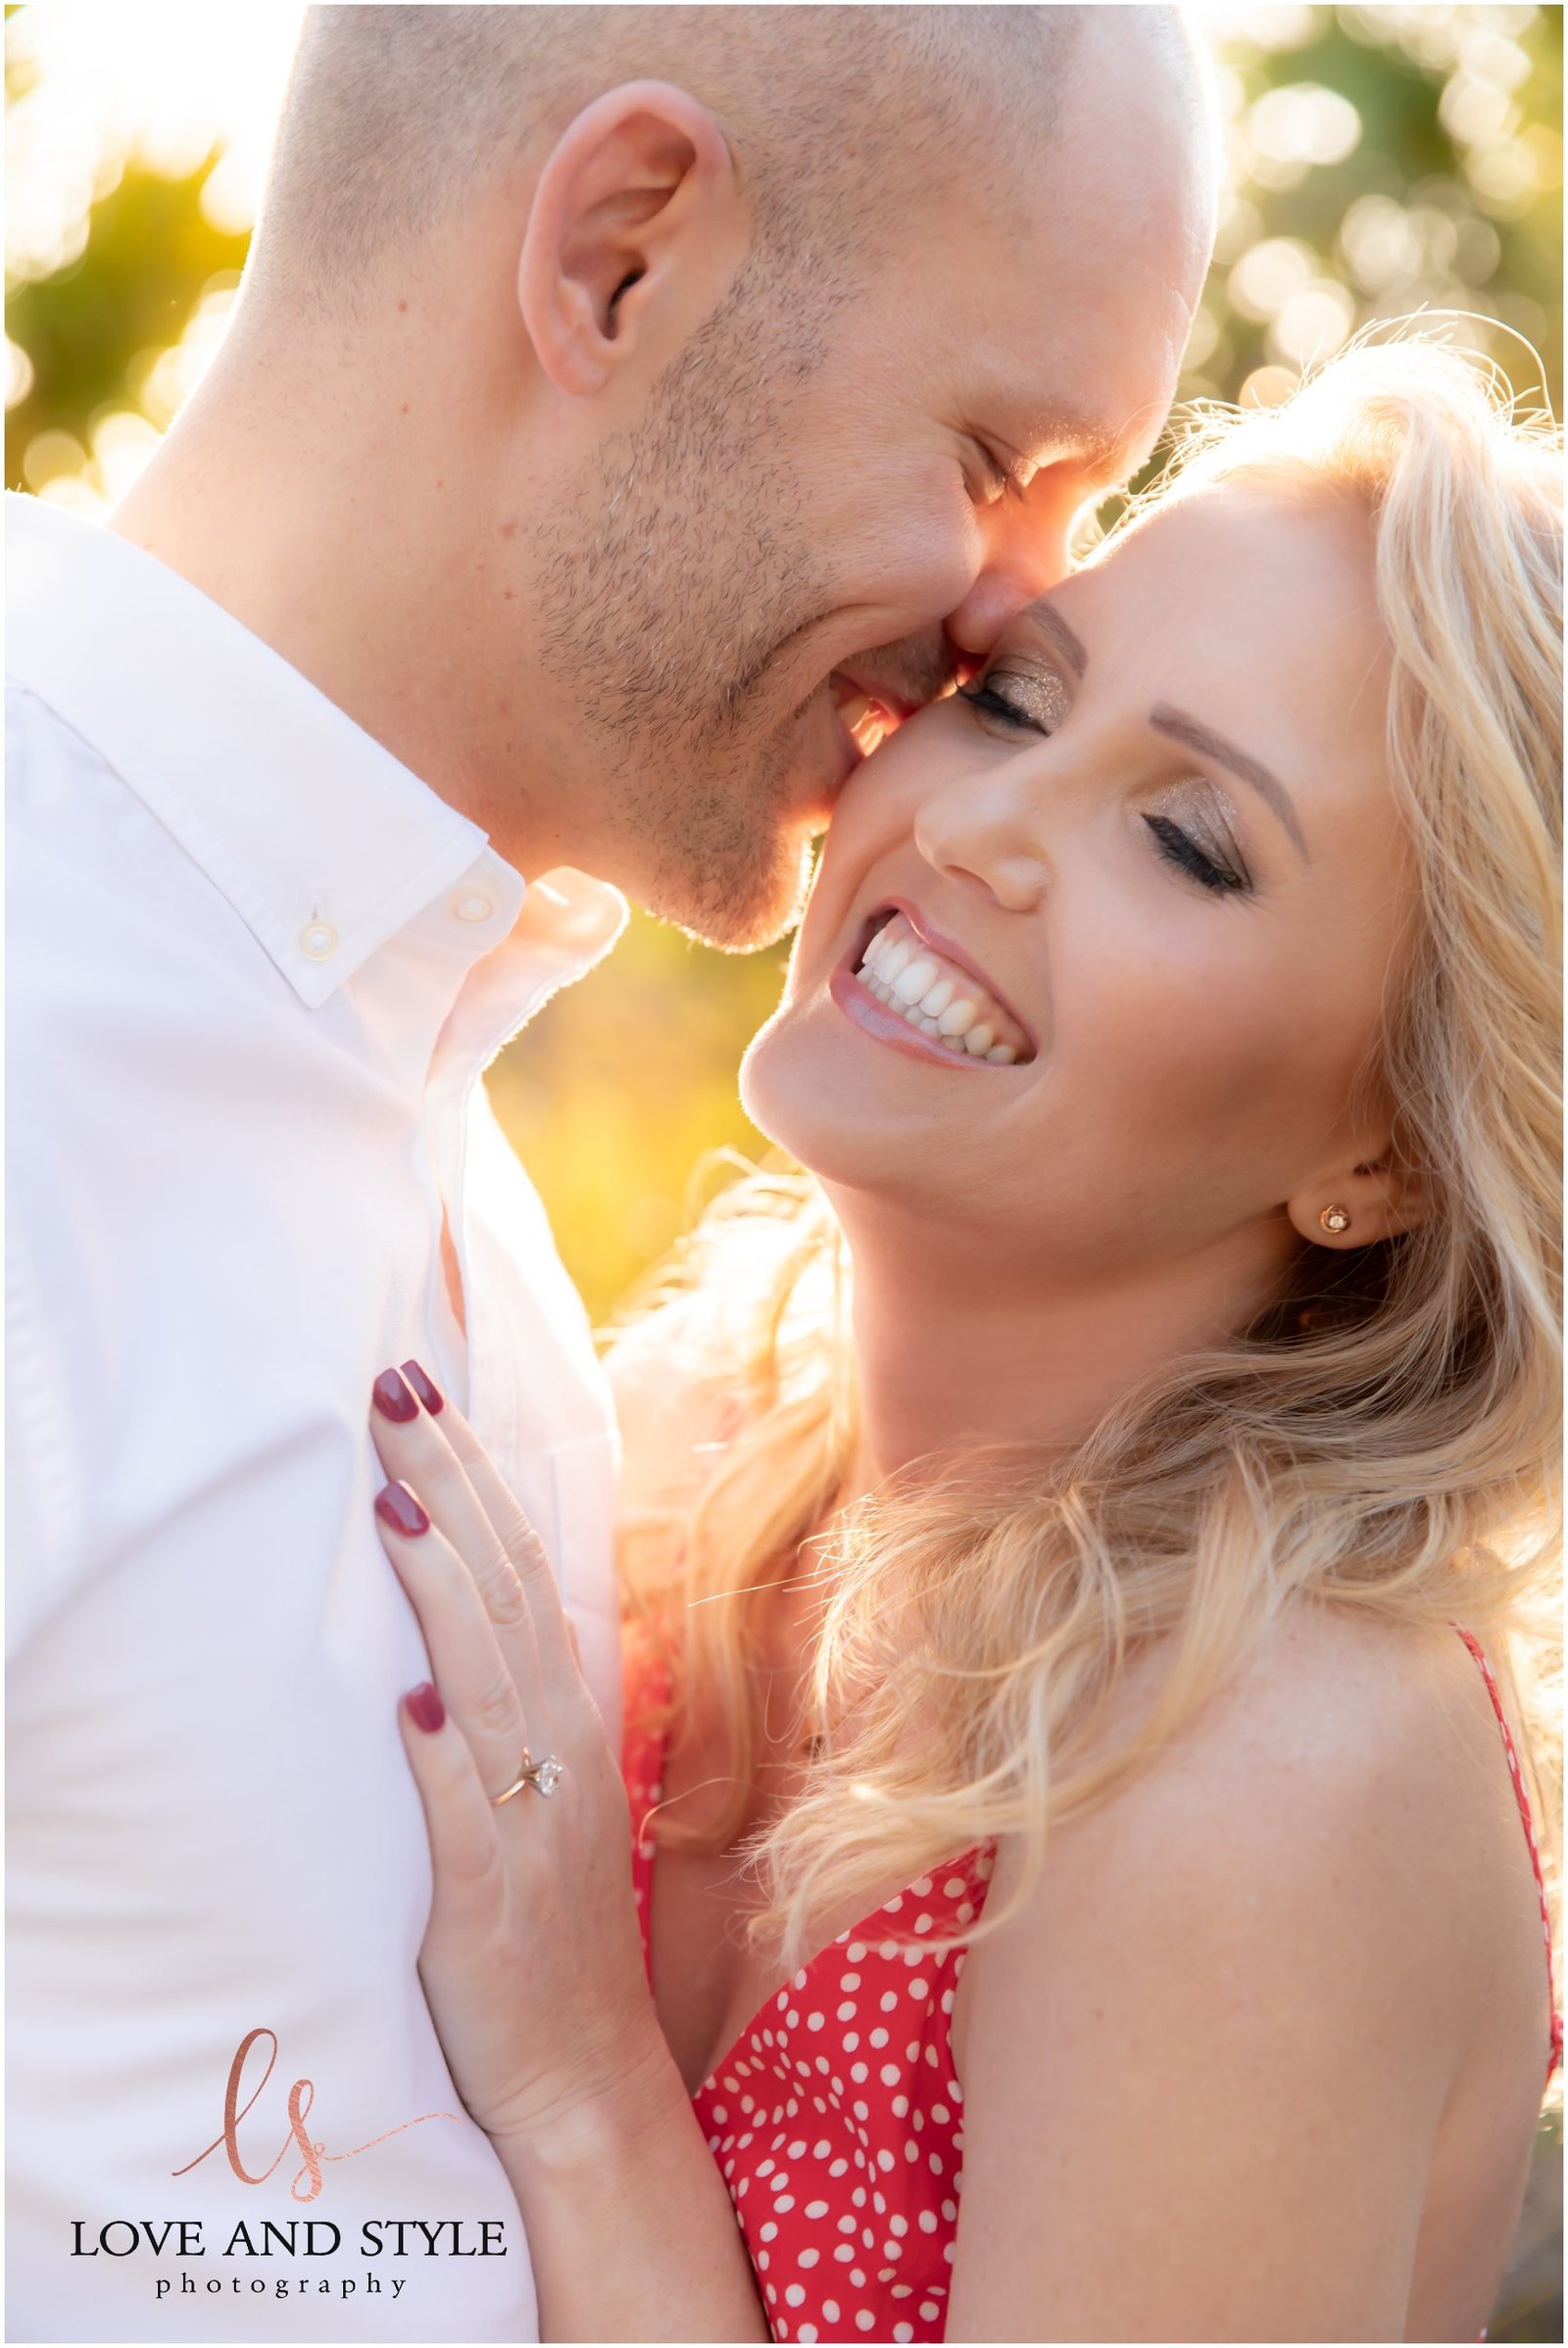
(397, 1506)
(426, 1708)
(393, 1400)
(424, 1387)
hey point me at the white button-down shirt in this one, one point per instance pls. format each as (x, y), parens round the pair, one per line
(256, 968)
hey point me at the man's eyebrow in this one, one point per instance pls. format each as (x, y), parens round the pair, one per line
(1210, 745)
(1049, 621)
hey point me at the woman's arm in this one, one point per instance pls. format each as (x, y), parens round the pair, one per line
(629, 2223)
(532, 1960)
(1203, 2069)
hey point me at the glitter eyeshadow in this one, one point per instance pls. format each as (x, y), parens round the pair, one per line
(1038, 693)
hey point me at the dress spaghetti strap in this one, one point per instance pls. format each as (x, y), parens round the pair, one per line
(1474, 1644)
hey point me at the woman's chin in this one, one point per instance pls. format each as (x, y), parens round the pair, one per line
(764, 1084)
(800, 1086)
(796, 1095)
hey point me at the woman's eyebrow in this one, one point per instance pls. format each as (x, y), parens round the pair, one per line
(1176, 723)
(1049, 620)
(1210, 745)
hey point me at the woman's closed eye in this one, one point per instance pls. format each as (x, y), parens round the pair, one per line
(1036, 698)
(1179, 848)
(1036, 701)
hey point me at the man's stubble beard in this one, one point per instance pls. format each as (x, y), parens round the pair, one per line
(667, 591)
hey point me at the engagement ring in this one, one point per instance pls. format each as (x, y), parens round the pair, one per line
(543, 1776)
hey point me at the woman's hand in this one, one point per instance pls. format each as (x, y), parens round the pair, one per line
(532, 1963)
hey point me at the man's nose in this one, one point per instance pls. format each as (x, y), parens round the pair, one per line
(1025, 554)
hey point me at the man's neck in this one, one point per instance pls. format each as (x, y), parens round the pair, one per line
(346, 555)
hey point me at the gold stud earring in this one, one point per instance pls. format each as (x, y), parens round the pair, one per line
(1335, 1218)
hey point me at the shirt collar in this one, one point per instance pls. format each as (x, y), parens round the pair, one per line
(324, 844)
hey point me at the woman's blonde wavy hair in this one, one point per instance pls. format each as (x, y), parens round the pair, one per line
(1383, 1436)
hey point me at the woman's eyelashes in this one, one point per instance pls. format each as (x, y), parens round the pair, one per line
(1037, 701)
(1208, 852)
(1034, 698)
(1179, 848)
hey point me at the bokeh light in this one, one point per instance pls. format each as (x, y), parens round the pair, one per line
(1378, 160)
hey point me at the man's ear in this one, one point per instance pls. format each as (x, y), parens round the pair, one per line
(1380, 1196)
(637, 225)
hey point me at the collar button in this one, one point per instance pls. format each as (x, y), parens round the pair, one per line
(473, 908)
(318, 941)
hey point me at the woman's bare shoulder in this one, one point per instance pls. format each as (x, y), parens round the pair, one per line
(1355, 1724)
(1251, 1926)
(1336, 1687)
(1336, 1719)
(1352, 1693)
(1329, 1778)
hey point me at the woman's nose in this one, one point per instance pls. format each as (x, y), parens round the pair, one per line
(984, 836)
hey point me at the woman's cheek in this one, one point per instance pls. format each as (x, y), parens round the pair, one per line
(870, 835)
(882, 799)
(1175, 1029)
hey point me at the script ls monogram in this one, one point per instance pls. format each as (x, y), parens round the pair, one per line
(301, 2098)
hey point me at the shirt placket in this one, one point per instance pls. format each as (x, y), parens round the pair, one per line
(475, 1031)
(448, 1156)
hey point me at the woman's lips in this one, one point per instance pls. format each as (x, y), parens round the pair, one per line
(947, 949)
(897, 986)
(927, 988)
(860, 1005)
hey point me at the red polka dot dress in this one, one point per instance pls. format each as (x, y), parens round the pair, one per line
(836, 2116)
(1523, 1799)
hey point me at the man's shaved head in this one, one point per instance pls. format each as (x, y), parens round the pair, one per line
(645, 406)
(840, 118)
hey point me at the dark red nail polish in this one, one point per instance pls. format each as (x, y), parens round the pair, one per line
(426, 1708)
(393, 1400)
(424, 1387)
(397, 1506)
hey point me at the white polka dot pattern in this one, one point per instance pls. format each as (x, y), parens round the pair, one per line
(835, 2118)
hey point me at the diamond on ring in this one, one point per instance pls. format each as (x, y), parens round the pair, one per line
(543, 1776)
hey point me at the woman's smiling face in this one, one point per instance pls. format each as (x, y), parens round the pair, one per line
(1153, 853)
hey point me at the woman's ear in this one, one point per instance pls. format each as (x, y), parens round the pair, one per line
(637, 225)
(1374, 1198)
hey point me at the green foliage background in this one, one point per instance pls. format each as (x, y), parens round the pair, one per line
(1381, 160)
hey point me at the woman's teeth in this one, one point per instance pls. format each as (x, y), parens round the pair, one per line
(944, 1003)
